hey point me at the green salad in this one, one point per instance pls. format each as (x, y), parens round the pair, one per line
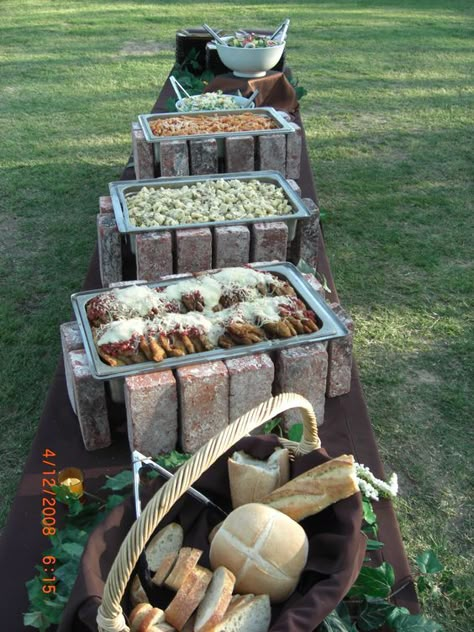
(252, 40)
(209, 101)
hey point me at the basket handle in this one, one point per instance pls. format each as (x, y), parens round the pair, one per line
(110, 617)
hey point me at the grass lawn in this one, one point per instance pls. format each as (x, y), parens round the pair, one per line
(389, 124)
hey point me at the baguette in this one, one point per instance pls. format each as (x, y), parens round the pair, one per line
(251, 479)
(137, 592)
(188, 598)
(314, 490)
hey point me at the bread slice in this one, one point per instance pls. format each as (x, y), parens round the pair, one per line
(151, 618)
(316, 489)
(249, 615)
(137, 592)
(251, 479)
(216, 600)
(137, 615)
(186, 562)
(166, 541)
(165, 568)
(162, 627)
(188, 598)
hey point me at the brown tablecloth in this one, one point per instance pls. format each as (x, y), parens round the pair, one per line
(274, 89)
(346, 428)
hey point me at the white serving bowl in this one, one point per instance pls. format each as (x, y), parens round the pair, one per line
(239, 103)
(249, 62)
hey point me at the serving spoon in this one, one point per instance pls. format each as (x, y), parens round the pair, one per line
(214, 35)
(252, 97)
(284, 30)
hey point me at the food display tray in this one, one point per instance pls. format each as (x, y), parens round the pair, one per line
(330, 327)
(118, 191)
(282, 126)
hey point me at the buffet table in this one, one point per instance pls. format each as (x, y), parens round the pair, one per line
(346, 428)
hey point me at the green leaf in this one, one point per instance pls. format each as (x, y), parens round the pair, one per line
(414, 623)
(67, 573)
(373, 582)
(334, 623)
(373, 614)
(374, 545)
(119, 481)
(295, 432)
(36, 620)
(368, 512)
(172, 460)
(427, 562)
(73, 550)
(270, 426)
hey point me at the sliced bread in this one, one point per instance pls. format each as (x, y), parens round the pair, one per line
(216, 600)
(188, 598)
(165, 568)
(186, 562)
(252, 615)
(151, 618)
(137, 592)
(166, 541)
(137, 615)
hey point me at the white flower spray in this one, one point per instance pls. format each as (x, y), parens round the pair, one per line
(373, 487)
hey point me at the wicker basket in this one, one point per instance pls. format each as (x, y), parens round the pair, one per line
(345, 515)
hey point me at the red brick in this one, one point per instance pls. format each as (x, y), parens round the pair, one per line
(293, 152)
(143, 155)
(193, 249)
(204, 403)
(250, 383)
(154, 254)
(174, 158)
(315, 284)
(340, 357)
(268, 241)
(110, 249)
(231, 246)
(271, 152)
(203, 156)
(105, 204)
(89, 395)
(151, 401)
(303, 370)
(306, 242)
(239, 154)
(71, 340)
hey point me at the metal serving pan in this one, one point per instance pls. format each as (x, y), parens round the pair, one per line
(282, 125)
(330, 327)
(119, 189)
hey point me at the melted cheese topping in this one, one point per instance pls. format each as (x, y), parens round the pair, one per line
(120, 330)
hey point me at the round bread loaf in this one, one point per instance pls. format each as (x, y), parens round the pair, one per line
(265, 550)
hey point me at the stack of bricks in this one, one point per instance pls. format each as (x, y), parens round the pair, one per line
(165, 252)
(280, 151)
(86, 394)
(185, 407)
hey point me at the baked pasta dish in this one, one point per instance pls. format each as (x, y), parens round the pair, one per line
(233, 306)
(182, 125)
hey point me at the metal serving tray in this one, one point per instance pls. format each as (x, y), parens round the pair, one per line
(119, 189)
(330, 327)
(282, 125)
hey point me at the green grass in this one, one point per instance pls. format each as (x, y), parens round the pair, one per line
(389, 124)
